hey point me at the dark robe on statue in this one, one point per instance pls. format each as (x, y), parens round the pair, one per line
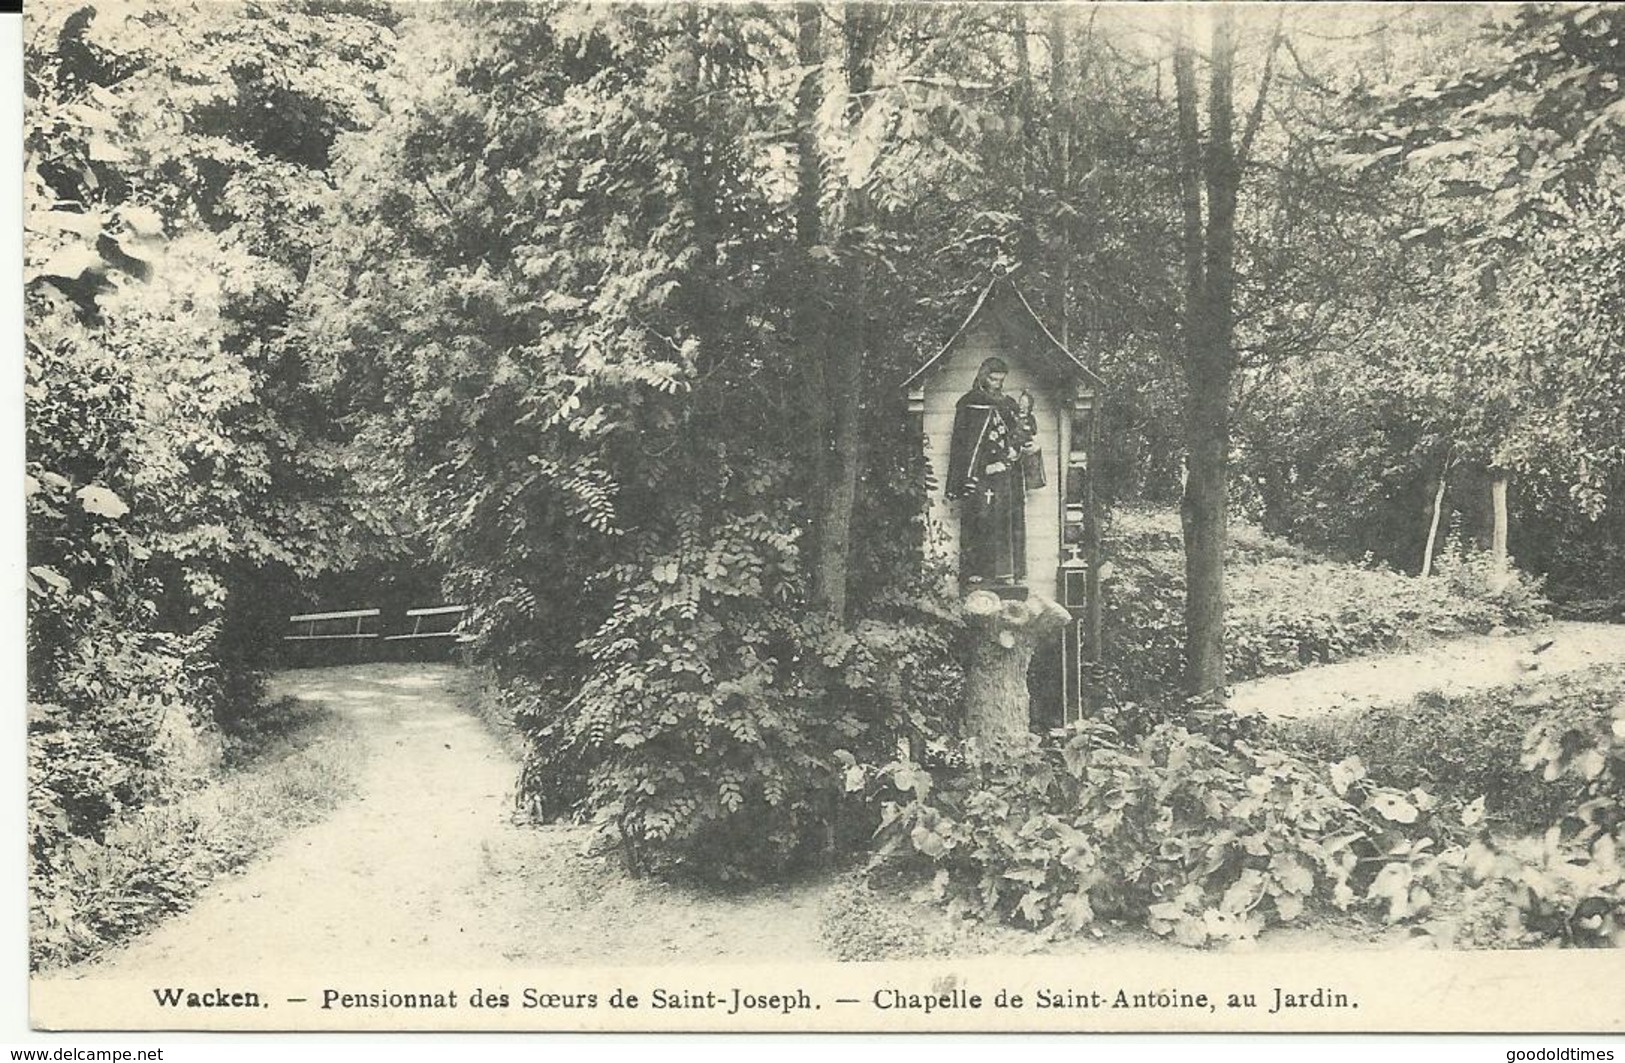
(984, 472)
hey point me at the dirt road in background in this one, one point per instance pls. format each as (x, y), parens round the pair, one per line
(425, 869)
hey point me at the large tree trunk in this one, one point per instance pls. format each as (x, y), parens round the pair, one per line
(1026, 148)
(1060, 86)
(1209, 251)
(1202, 516)
(702, 196)
(847, 355)
(997, 703)
(841, 482)
(1213, 166)
(813, 311)
(809, 54)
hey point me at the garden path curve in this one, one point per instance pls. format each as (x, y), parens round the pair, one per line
(1474, 662)
(425, 868)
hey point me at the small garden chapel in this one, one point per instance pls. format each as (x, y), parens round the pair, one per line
(1006, 415)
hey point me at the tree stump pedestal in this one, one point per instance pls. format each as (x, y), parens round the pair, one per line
(1004, 635)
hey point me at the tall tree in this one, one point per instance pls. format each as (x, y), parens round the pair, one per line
(1210, 170)
(846, 345)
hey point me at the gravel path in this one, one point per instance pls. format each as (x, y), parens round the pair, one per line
(425, 869)
(1476, 662)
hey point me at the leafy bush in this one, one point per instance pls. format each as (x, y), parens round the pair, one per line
(1285, 609)
(1464, 746)
(1170, 831)
(704, 733)
(1489, 595)
(1219, 724)
(125, 726)
(1567, 887)
(1584, 559)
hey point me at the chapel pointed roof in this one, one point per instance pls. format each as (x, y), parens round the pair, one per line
(1001, 297)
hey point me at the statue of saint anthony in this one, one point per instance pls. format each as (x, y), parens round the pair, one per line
(992, 432)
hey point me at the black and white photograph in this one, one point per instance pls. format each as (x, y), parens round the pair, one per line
(824, 516)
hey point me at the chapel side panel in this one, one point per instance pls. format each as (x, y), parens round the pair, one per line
(939, 426)
(1043, 504)
(1058, 463)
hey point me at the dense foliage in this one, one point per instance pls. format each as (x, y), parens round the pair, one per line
(1491, 185)
(1462, 747)
(1567, 888)
(154, 861)
(1198, 841)
(723, 704)
(596, 406)
(1212, 841)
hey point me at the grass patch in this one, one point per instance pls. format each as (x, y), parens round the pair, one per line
(287, 771)
(1465, 746)
(278, 730)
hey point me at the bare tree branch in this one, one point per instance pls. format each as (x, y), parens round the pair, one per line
(1303, 71)
(1257, 114)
